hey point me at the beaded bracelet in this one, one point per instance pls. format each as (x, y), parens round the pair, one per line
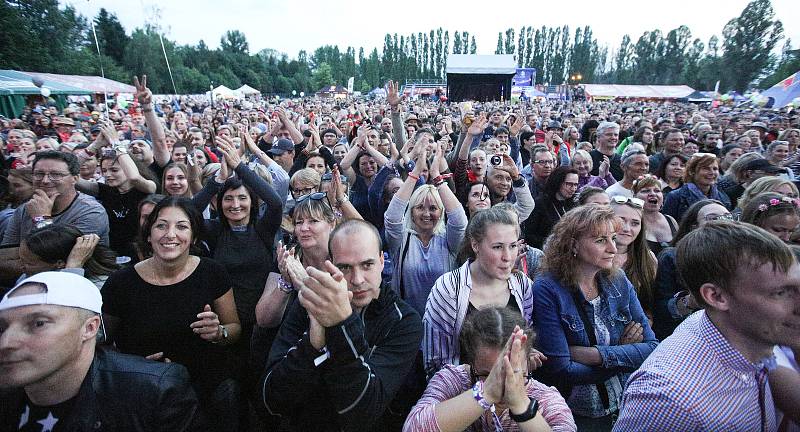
(477, 393)
(285, 286)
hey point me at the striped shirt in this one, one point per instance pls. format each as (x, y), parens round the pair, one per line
(697, 381)
(447, 307)
(451, 381)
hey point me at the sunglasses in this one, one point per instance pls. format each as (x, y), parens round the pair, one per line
(635, 202)
(316, 196)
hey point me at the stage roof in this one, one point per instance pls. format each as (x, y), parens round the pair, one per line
(481, 64)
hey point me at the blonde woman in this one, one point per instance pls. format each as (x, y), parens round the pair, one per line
(422, 245)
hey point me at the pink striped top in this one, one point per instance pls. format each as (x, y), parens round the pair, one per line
(451, 381)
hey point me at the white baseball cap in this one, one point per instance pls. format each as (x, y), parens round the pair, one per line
(61, 289)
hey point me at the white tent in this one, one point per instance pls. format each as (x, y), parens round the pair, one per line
(481, 64)
(223, 92)
(246, 90)
(611, 91)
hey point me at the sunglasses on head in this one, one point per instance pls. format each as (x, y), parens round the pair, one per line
(316, 196)
(635, 202)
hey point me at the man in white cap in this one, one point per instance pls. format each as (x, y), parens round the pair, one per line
(52, 377)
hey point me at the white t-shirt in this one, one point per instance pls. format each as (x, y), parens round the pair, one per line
(618, 189)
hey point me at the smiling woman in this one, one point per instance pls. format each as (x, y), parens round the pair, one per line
(700, 182)
(177, 306)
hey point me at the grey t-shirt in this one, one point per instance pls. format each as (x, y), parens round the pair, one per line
(85, 214)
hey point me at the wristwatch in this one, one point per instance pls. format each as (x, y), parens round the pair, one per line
(42, 221)
(530, 413)
(224, 332)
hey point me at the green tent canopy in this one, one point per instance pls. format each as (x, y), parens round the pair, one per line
(16, 86)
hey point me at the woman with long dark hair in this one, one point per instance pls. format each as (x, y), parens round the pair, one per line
(557, 200)
(179, 307)
(673, 302)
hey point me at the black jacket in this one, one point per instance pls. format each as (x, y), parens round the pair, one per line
(543, 218)
(370, 355)
(122, 393)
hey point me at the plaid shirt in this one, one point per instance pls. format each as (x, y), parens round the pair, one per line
(696, 381)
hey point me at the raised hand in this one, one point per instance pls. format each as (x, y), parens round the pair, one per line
(509, 166)
(517, 126)
(478, 125)
(325, 295)
(207, 325)
(336, 188)
(392, 95)
(495, 385)
(232, 158)
(515, 368)
(143, 94)
(602, 171)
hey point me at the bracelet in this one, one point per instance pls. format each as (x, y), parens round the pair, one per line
(413, 176)
(284, 286)
(477, 394)
(147, 110)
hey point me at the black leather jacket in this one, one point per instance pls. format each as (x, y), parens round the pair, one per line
(122, 393)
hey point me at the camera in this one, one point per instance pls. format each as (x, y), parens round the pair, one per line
(496, 160)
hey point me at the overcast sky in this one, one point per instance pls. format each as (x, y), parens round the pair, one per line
(291, 25)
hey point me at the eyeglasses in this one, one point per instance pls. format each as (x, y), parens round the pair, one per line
(544, 162)
(316, 196)
(54, 176)
(571, 185)
(635, 202)
(304, 191)
(716, 217)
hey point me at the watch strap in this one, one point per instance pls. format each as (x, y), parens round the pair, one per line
(533, 408)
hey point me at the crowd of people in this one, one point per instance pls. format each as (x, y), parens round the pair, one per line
(395, 264)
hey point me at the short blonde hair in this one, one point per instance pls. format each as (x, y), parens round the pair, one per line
(418, 197)
(306, 175)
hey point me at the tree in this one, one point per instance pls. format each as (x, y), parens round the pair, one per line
(457, 43)
(508, 45)
(473, 48)
(234, 41)
(499, 49)
(789, 64)
(110, 35)
(748, 43)
(322, 76)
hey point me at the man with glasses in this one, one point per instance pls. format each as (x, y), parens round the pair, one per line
(635, 164)
(55, 200)
(542, 165)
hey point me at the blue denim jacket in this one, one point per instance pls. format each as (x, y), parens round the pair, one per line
(559, 326)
